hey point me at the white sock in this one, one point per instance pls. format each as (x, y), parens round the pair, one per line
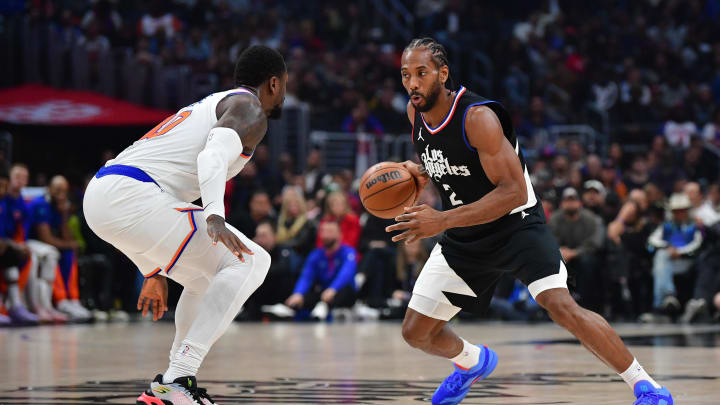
(13, 292)
(469, 357)
(636, 373)
(46, 293)
(186, 361)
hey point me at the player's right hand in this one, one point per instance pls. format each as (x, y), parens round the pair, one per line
(419, 174)
(219, 232)
(153, 296)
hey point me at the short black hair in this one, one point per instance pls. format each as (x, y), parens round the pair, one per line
(257, 64)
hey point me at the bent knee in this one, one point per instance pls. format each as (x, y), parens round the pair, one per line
(562, 309)
(415, 336)
(260, 265)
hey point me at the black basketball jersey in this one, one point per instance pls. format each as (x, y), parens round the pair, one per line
(455, 169)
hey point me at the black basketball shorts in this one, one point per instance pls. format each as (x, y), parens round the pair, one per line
(463, 276)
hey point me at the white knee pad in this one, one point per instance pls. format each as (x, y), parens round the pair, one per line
(12, 274)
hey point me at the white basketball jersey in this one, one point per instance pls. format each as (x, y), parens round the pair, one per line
(168, 153)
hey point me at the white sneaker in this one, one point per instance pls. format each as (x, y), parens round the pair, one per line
(81, 308)
(73, 312)
(117, 315)
(342, 314)
(182, 391)
(693, 308)
(279, 310)
(320, 311)
(363, 311)
(99, 316)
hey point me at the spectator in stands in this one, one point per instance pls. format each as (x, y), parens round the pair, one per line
(280, 280)
(49, 215)
(714, 196)
(711, 130)
(702, 211)
(638, 174)
(294, 229)
(159, 21)
(12, 257)
(593, 168)
(43, 257)
(198, 47)
(561, 173)
(242, 188)
(337, 209)
(536, 125)
(675, 243)
(385, 110)
(616, 155)
(268, 173)
(361, 120)
(580, 234)
(611, 181)
(104, 15)
(260, 210)
(707, 284)
(378, 252)
(315, 178)
(593, 199)
(679, 129)
(327, 279)
(630, 259)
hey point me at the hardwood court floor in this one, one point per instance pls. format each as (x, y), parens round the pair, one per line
(355, 363)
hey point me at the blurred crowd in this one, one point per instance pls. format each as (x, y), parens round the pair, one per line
(629, 68)
(636, 212)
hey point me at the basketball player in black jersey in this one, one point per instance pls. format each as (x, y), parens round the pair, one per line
(492, 224)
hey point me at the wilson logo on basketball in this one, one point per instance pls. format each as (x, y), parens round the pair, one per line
(384, 178)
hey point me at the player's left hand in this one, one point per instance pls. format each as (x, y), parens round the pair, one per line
(153, 296)
(219, 232)
(418, 222)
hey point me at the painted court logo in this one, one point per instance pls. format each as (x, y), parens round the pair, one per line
(384, 178)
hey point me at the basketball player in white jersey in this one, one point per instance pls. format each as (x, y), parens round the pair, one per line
(141, 203)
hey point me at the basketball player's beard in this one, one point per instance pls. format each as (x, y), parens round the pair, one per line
(431, 98)
(276, 112)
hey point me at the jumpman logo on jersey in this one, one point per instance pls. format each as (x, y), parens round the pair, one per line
(420, 135)
(523, 214)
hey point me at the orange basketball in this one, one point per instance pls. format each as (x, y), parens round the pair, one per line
(386, 189)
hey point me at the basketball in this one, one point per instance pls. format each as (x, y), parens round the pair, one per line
(386, 189)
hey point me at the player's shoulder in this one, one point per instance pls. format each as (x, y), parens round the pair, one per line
(481, 118)
(240, 102)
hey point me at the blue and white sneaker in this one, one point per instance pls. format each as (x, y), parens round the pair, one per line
(457, 385)
(647, 394)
